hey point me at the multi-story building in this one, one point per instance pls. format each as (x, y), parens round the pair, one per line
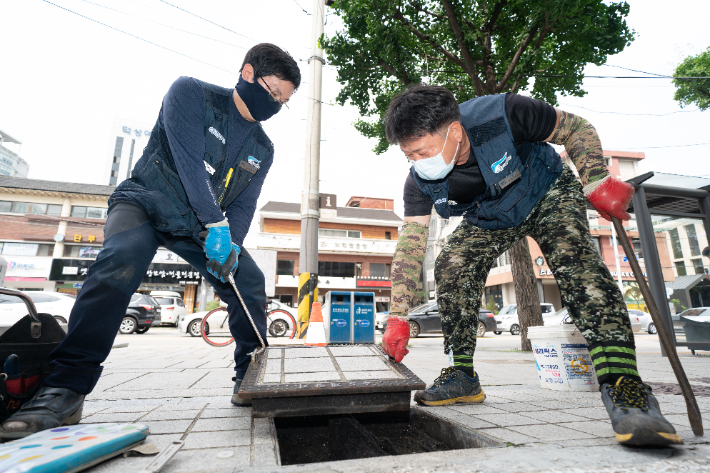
(356, 244)
(499, 285)
(11, 164)
(128, 138)
(51, 232)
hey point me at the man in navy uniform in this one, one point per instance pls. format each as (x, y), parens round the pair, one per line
(193, 191)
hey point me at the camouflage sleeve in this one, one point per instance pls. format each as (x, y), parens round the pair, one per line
(406, 266)
(583, 146)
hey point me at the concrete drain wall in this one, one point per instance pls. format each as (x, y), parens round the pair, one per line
(316, 439)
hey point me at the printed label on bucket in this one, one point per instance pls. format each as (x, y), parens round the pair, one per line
(578, 364)
(546, 359)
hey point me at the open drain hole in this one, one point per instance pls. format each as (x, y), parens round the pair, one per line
(315, 439)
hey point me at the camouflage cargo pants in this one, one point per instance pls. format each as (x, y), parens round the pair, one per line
(558, 223)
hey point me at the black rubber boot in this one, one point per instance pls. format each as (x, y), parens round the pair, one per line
(48, 409)
(636, 416)
(236, 400)
(450, 387)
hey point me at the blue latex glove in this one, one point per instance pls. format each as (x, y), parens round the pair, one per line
(218, 244)
(221, 271)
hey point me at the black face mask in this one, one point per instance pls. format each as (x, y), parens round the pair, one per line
(258, 100)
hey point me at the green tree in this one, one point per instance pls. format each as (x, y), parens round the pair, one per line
(471, 47)
(693, 91)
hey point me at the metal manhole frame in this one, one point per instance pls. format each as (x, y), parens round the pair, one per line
(250, 389)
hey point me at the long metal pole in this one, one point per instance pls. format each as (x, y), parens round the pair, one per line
(616, 259)
(696, 420)
(310, 197)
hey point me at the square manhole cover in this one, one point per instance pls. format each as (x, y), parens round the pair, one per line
(297, 381)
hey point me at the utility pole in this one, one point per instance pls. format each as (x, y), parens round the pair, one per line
(310, 197)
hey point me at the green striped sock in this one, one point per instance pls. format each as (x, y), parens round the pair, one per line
(463, 362)
(613, 360)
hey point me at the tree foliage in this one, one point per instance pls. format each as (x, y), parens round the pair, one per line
(471, 47)
(693, 91)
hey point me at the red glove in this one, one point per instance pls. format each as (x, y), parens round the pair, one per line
(396, 338)
(611, 197)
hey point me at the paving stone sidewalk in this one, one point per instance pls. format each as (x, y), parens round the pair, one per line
(183, 393)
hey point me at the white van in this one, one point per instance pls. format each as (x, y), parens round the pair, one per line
(507, 318)
(171, 306)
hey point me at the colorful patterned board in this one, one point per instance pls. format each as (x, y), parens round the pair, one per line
(70, 448)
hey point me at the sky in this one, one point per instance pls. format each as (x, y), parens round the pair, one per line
(65, 78)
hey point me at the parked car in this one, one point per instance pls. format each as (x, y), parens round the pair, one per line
(57, 304)
(425, 319)
(692, 325)
(190, 323)
(279, 325)
(646, 320)
(562, 317)
(507, 318)
(142, 313)
(379, 318)
(171, 306)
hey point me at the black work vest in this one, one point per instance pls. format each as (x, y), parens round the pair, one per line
(157, 187)
(516, 177)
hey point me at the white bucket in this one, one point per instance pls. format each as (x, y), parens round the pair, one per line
(562, 358)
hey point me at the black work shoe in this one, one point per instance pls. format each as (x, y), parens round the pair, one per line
(450, 387)
(236, 400)
(635, 415)
(49, 408)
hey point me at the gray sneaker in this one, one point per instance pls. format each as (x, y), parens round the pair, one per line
(636, 416)
(450, 387)
(236, 400)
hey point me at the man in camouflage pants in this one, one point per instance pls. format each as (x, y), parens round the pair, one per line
(487, 159)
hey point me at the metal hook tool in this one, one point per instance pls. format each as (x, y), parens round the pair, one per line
(255, 354)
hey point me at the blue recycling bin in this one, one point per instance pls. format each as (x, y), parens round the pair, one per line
(364, 317)
(349, 317)
(337, 316)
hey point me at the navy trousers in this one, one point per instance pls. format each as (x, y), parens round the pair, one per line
(130, 243)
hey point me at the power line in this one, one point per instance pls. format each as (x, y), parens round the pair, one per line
(209, 21)
(635, 70)
(167, 26)
(139, 38)
(589, 77)
(633, 114)
(299, 6)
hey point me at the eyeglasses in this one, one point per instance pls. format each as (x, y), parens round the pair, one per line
(271, 94)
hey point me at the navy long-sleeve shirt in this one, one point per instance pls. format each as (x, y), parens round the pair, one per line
(183, 119)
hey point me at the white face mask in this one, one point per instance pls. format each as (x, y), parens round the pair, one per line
(435, 167)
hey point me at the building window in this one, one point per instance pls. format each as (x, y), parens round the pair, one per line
(675, 243)
(30, 208)
(388, 235)
(285, 267)
(637, 247)
(76, 251)
(698, 265)
(692, 240)
(335, 269)
(680, 268)
(597, 244)
(88, 212)
(379, 270)
(45, 250)
(328, 232)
